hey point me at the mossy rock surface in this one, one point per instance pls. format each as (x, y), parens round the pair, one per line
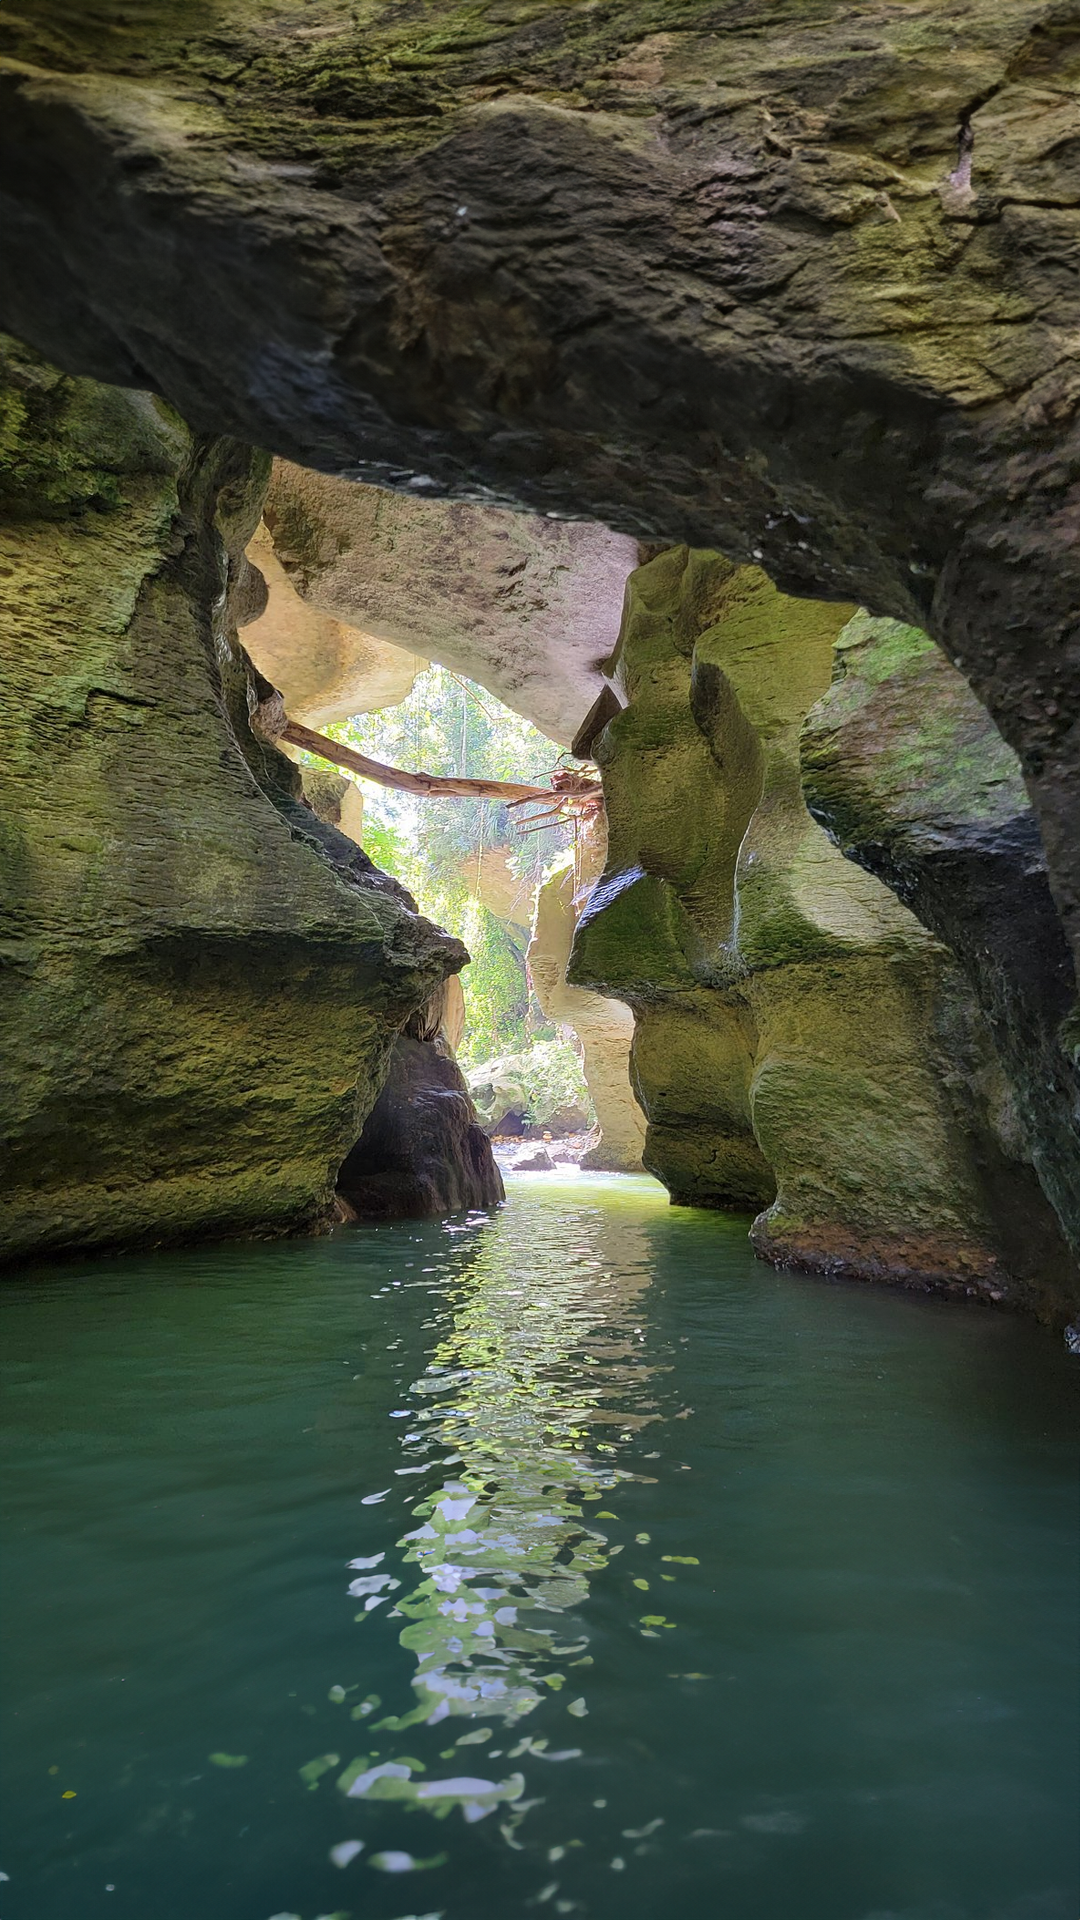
(906, 770)
(803, 1042)
(201, 981)
(797, 282)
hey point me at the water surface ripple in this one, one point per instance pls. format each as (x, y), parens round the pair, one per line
(562, 1561)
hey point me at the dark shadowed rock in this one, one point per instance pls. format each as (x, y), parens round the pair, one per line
(422, 1152)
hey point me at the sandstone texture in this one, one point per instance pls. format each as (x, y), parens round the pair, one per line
(201, 980)
(802, 1040)
(905, 768)
(325, 670)
(798, 283)
(527, 607)
(506, 894)
(604, 1027)
(335, 799)
(422, 1151)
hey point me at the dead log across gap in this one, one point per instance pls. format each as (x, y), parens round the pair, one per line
(270, 722)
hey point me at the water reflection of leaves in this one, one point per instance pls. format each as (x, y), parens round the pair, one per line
(527, 1399)
(519, 1383)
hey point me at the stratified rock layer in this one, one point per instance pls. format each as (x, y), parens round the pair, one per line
(795, 282)
(604, 1027)
(324, 669)
(201, 980)
(528, 607)
(422, 1152)
(906, 770)
(799, 1032)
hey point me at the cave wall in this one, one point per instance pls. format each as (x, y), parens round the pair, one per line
(803, 1044)
(799, 284)
(906, 770)
(604, 1027)
(362, 578)
(201, 981)
(325, 669)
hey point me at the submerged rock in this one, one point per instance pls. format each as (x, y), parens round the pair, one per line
(538, 1160)
(201, 980)
(422, 1151)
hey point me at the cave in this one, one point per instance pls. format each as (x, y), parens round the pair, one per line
(699, 383)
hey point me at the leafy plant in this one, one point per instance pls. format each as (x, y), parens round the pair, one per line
(447, 725)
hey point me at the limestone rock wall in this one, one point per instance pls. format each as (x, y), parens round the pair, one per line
(605, 1027)
(526, 606)
(506, 894)
(801, 1039)
(325, 669)
(201, 981)
(907, 771)
(797, 282)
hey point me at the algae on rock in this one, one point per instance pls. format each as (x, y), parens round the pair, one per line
(201, 981)
(907, 771)
(799, 1032)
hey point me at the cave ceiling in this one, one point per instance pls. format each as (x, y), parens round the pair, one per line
(794, 282)
(367, 585)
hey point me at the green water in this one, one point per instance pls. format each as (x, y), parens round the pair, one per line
(728, 1592)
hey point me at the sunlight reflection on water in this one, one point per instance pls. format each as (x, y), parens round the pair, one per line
(321, 1555)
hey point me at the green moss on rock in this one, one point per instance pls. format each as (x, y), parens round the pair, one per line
(201, 982)
(801, 1038)
(907, 771)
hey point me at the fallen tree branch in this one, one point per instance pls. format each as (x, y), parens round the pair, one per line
(271, 723)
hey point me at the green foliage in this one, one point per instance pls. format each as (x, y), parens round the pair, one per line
(495, 982)
(552, 1075)
(448, 726)
(542, 1079)
(385, 844)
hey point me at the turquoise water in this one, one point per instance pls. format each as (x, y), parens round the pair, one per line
(681, 1586)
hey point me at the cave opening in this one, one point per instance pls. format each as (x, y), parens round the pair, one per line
(477, 866)
(696, 386)
(794, 900)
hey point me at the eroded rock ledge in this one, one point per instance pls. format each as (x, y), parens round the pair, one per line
(201, 981)
(803, 1044)
(800, 285)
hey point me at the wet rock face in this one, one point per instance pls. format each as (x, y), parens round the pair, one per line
(797, 284)
(201, 980)
(422, 1152)
(801, 1038)
(906, 770)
